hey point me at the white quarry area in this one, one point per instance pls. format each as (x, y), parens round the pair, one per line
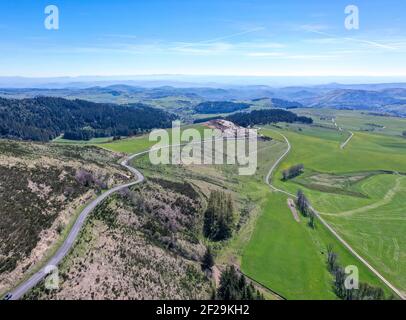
(229, 129)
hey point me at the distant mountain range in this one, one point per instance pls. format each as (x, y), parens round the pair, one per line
(388, 98)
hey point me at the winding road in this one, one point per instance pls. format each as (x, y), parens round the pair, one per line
(61, 253)
(27, 285)
(268, 181)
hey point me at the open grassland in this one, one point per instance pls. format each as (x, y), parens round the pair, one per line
(290, 257)
(357, 120)
(358, 190)
(140, 143)
(61, 140)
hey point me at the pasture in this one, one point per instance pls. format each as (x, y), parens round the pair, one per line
(359, 190)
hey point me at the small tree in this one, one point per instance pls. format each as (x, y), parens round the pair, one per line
(208, 260)
(404, 133)
(312, 223)
(285, 175)
(331, 259)
(302, 203)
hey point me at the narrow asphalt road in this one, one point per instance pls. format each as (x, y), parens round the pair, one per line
(73, 234)
(346, 141)
(268, 181)
(61, 253)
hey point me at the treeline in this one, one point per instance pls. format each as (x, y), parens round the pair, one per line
(235, 287)
(45, 118)
(201, 120)
(305, 208)
(220, 107)
(364, 290)
(292, 172)
(255, 117)
(219, 216)
(86, 133)
(280, 103)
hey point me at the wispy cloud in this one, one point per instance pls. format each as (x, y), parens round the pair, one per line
(331, 38)
(265, 54)
(291, 56)
(230, 36)
(314, 27)
(201, 48)
(121, 36)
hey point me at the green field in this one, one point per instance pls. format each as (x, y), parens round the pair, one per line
(126, 145)
(357, 120)
(290, 257)
(83, 142)
(349, 188)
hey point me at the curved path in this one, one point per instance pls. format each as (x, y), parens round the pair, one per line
(27, 285)
(335, 234)
(61, 253)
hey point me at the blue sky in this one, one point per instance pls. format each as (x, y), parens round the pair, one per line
(265, 38)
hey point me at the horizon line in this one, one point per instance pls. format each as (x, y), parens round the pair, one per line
(208, 75)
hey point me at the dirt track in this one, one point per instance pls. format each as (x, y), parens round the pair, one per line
(292, 207)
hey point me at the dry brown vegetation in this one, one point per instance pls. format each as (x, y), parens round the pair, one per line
(142, 243)
(39, 196)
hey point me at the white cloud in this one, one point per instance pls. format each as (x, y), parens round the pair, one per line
(265, 54)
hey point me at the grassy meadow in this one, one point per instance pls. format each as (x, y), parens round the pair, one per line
(359, 190)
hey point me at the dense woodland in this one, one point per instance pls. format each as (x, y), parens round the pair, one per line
(209, 107)
(260, 117)
(45, 118)
(280, 103)
(255, 117)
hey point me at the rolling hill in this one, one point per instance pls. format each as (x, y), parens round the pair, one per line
(45, 118)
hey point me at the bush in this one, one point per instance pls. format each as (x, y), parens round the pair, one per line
(208, 260)
(292, 172)
(84, 178)
(235, 287)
